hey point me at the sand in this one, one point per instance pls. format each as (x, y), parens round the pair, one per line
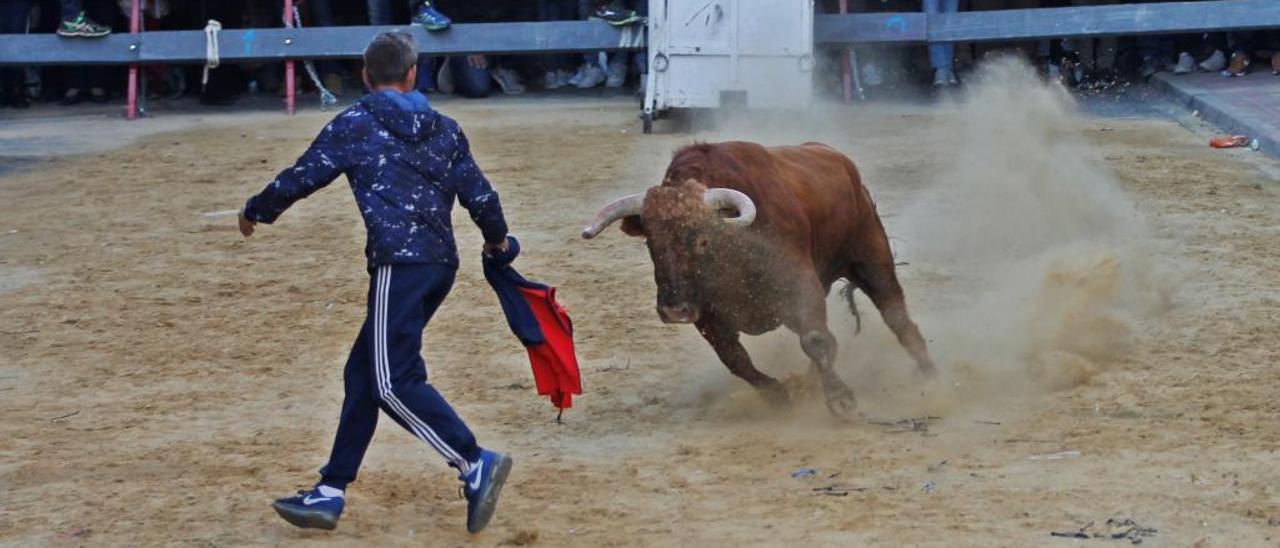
(204, 371)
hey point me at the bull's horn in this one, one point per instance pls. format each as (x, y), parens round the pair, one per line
(622, 207)
(727, 198)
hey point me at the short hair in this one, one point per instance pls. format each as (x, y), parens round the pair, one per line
(389, 57)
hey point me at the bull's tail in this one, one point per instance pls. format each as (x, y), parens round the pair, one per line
(847, 293)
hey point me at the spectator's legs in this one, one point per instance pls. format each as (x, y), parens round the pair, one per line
(321, 12)
(70, 9)
(13, 20)
(380, 12)
(942, 54)
(557, 68)
(468, 80)
(1155, 52)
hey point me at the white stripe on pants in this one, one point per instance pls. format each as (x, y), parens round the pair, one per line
(382, 371)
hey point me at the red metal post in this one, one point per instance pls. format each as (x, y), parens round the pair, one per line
(289, 91)
(135, 26)
(846, 69)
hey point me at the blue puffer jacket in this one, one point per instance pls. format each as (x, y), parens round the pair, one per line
(406, 163)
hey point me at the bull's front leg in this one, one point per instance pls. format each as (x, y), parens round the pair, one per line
(820, 345)
(724, 340)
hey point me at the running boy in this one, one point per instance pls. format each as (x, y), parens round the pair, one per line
(406, 163)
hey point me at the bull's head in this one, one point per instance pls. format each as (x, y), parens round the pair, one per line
(683, 226)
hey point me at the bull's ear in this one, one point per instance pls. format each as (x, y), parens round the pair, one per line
(633, 225)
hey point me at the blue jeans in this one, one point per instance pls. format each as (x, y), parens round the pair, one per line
(942, 55)
(385, 371)
(469, 81)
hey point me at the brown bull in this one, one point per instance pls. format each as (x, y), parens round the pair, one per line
(745, 239)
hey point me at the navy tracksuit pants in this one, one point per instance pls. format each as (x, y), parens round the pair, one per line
(385, 371)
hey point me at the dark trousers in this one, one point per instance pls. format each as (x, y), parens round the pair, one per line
(70, 9)
(385, 371)
(382, 12)
(557, 10)
(469, 81)
(13, 20)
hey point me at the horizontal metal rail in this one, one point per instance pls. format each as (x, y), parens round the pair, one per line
(1023, 24)
(251, 45)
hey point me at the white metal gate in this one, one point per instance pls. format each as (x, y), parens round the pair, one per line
(701, 52)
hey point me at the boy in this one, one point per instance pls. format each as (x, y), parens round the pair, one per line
(406, 163)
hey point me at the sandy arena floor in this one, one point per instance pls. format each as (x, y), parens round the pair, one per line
(1109, 289)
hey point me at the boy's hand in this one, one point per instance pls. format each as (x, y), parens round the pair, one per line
(491, 250)
(246, 226)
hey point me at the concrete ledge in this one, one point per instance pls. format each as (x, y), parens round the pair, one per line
(1249, 105)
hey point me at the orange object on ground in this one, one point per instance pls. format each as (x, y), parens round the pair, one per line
(1229, 141)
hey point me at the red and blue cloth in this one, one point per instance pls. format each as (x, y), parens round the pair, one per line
(541, 324)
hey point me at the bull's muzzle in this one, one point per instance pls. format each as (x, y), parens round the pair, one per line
(681, 313)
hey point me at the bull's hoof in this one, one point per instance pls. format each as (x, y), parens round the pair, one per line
(840, 402)
(776, 395)
(928, 370)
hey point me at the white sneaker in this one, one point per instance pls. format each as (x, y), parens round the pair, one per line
(1215, 62)
(1186, 64)
(943, 78)
(617, 73)
(507, 80)
(592, 76)
(577, 75)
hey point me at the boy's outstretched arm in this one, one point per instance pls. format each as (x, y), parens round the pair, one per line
(478, 196)
(323, 161)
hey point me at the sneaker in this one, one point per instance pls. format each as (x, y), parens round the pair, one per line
(430, 18)
(613, 13)
(592, 76)
(1215, 62)
(507, 80)
(82, 27)
(72, 96)
(1239, 65)
(617, 73)
(482, 487)
(318, 508)
(944, 78)
(577, 75)
(1186, 64)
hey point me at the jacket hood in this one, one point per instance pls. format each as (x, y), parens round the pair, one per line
(408, 116)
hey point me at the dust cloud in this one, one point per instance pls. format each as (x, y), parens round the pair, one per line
(1029, 269)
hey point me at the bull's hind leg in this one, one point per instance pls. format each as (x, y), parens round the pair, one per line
(880, 282)
(724, 340)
